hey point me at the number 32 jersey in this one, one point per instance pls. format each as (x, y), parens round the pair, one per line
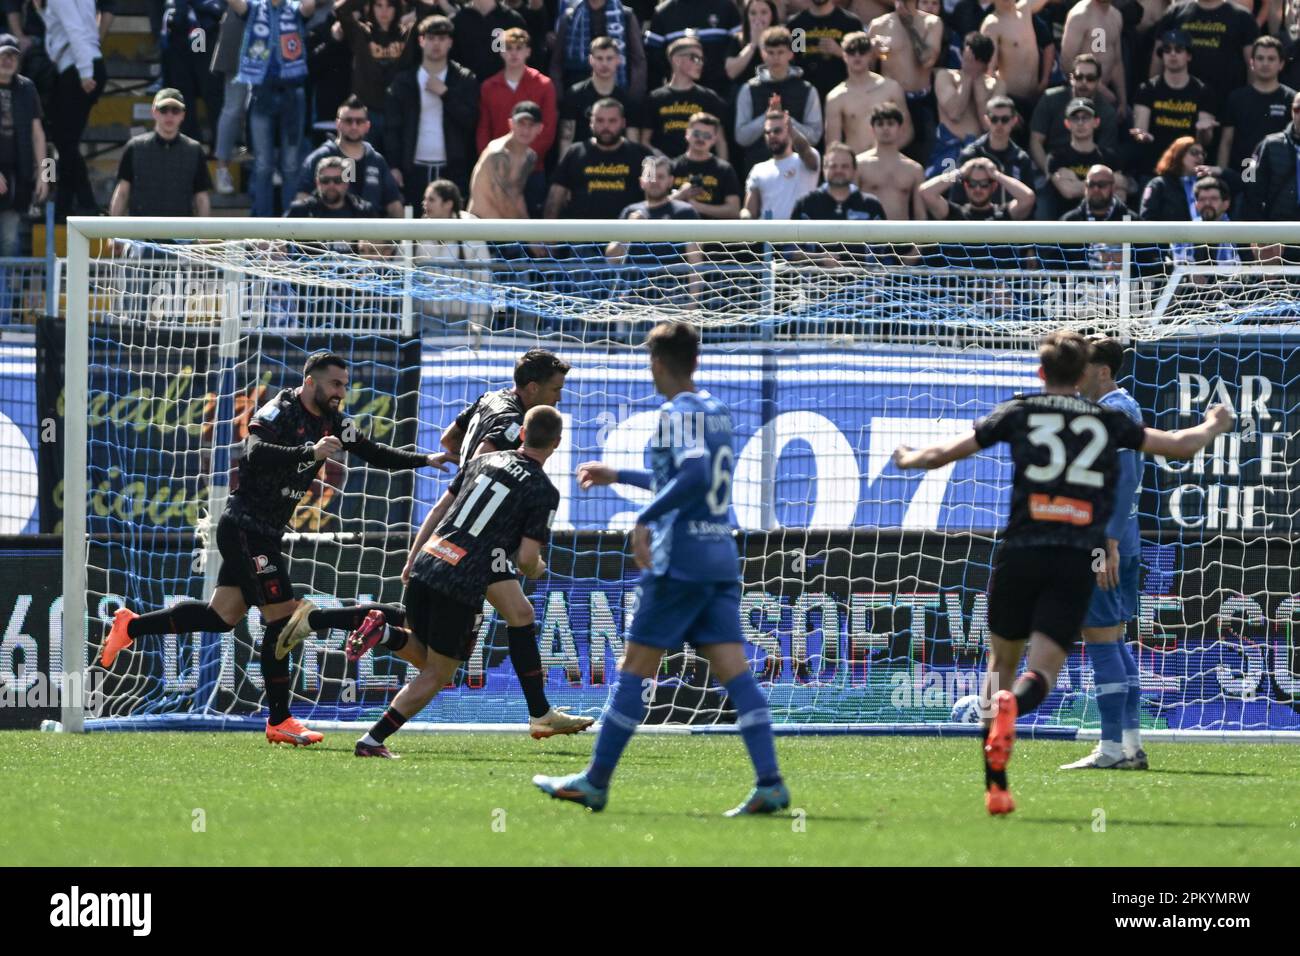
(500, 499)
(1066, 455)
(695, 541)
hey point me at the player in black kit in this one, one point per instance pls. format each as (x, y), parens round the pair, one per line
(502, 507)
(288, 440)
(1065, 452)
(494, 423)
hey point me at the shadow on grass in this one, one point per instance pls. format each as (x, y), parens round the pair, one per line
(1210, 773)
(1171, 824)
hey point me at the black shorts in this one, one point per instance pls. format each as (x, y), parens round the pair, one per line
(442, 624)
(253, 563)
(1040, 589)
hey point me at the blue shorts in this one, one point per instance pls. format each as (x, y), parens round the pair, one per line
(667, 611)
(1118, 605)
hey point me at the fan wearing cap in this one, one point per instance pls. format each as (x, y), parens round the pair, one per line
(1173, 104)
(22, 150)
(501, 173)
(515, 83)
(163, 173)
(1219, 33)
(1068, 166)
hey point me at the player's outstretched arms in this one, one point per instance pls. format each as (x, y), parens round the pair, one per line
(529, 558)
(1186, 442)
(936, 456)
(593, 473)
(386, 456)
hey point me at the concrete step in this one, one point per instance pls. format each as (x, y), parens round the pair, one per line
(122, 68)
(130, 46)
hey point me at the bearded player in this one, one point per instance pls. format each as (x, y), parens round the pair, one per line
(495, 423)
(1066, 454)
(289, 439)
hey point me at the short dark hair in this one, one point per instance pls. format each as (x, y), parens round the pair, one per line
(839, 147)
(606, 103)
(542, 426)
(604, 43)
(1212, 182)
(1270, 43)
(707, 119)
(323, 360)
(1087, 59)
(538, 365)
(1064, 355)
(1106, 351)
(885, 111)
(436, 25)
(777, 36)
(981, 46)
(676, 344)
(353, 102)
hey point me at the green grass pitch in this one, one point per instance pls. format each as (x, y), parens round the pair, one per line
(116, 799)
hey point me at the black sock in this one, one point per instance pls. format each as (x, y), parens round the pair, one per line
(275, 673)
(527, 662)
(390, 723)
(394, 638)
(1029, 689)
(187, 617)
(350, 618)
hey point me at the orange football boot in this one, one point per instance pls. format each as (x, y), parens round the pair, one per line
(118, 639)
(291, 731)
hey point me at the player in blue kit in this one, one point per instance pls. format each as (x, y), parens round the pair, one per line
(690, 582)
(1114, 602)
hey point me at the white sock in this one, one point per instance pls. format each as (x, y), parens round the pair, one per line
(1110, 748)
(1132, 741)
(369, 741)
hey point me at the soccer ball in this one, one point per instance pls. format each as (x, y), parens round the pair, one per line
(966, 710)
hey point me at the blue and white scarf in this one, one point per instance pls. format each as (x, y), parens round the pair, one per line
(266, 37)
(578, 41)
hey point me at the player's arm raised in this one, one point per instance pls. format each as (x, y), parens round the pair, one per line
(936, 456)
(1186, 442)
(593, 473)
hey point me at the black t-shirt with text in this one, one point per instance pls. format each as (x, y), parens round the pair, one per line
(717, 179)
(279, 466)
(1078, 161)
(1218, 37)
(668, 112)
(601, 183)
(580, 98)
(822, 69)
(1173, 112)
(1065, 452)
(1252, 116)
(501, 499)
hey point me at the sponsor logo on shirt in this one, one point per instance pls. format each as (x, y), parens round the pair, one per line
(1059, 508)
(262, 564)
(443, 550)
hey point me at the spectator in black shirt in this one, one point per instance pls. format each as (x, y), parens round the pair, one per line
(710, 21)
(743, 57)
(579, 26)
(369, 176)
(838, 197)
(710, 185)
(670, 107)
(1261, 107)
(1220, 34)
(1068, 166)
(476, 27)
(823, 26)
(22, 146)
(189, 33)
(332, 198)
(1275, 193)
(1001, 118)
(163, 173)
(605, 62)
(657, 185)
(1047, 130)
(1172, 105)
(598, 178)
(1169, 196)
(1100, 204)
(981, 179)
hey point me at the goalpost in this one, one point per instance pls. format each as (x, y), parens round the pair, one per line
(864, 604)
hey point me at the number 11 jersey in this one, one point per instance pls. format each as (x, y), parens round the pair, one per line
(1066, 455)
(500, 499)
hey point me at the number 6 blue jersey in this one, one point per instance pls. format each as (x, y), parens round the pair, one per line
(692, 464)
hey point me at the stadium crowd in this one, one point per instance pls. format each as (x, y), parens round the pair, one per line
(771, 109)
